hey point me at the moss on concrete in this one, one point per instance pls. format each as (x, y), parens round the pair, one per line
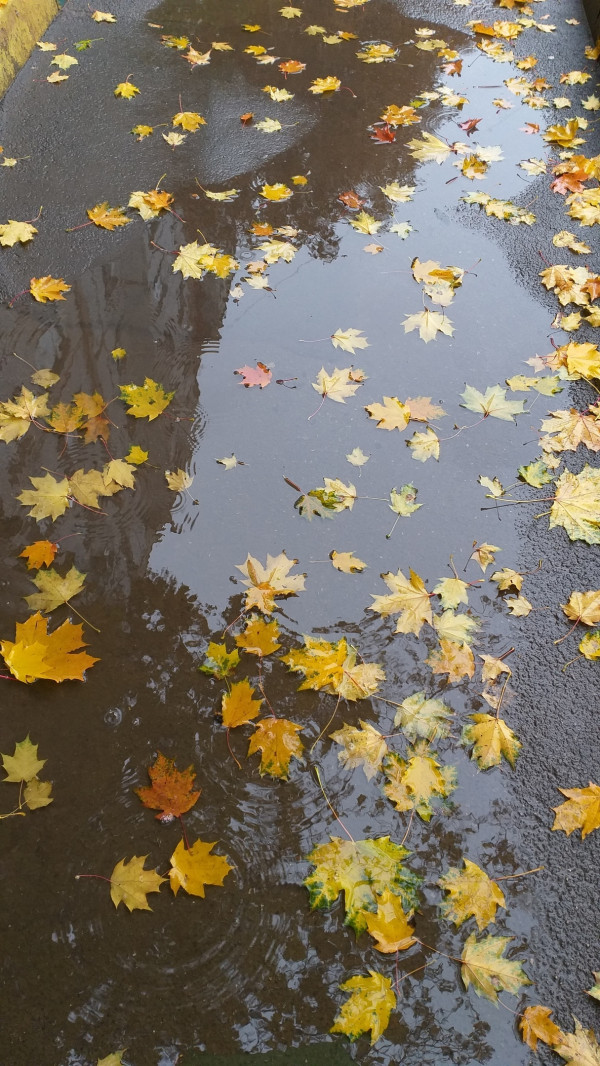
(22, 23)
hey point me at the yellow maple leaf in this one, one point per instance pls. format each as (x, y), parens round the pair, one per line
(347, 562)
(580, 811)
(579, 1048)
(368, 1007)
(391, 414)
(178, 480)
(237, 705)
(264, 583)
(576, 505)
(24, 765)
(146, 401)
(47, 288)
(365, 223)
(12, 232)
(416, 782)
(126, 90)
(150, 204)
(259, 637)
(331, 667)
(107, 217)
(48, 498)
(583, 607)
(103, 16)
(536, 1024)
(491, 739)
(130, 883)
(471, 893)
(425, 445)
(330, 84)
(409, 598)
(429, 324)
(142, 131)
(278, 191)
(188, 120)
(399, 116)
(55, 589)
(278, 742)
(390, 927)
(377, 52)
(361, 747)
(194, 868)
(429, 148)
(37, 654)
(16, 415)
(453, 659)
(484, 968)
(337, 385)
(37, 794)
(64, 61)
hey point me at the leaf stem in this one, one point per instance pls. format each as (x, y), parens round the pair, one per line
(331, 808)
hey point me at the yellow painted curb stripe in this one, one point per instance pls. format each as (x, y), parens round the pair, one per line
(22, 23)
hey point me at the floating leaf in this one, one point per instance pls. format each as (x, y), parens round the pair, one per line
(415, 783)
(237, 705)
(409, 598)
(331, 667)
(130, 883)
(484, 968)
(471, 894)
(264, 583)
(37, 654)
(219, 662)
(361, 747)
(490, 739)
(368, 1008)
(194, 868)
(172, 790)
(347, 562)
(277, 740)
(146, 401)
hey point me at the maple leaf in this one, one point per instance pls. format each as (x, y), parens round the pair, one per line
(278, 191)
(581, 810)
(276, 250)
(226, 196)
(219, 662)
(278, 94)
(116, 1059)
(429, 324)
(455, 627)
(484, 968)
(46, 289)
(536, 1024)
(576, 505)
(362, 870)
(17, 415)
(36, 794)
(37, 654)
(316, 505)
(351, 200)
(471, 893)
(429, 149)
(40, 553)
(492, 668)
(292, 66)
(259, 637)
(349, 340)
(367, 1009)
(55, 589)
(357, 457)
(12, 232)
(402, 501)
(254, 375)
(174, 139)
(130, 883)
(277, 740)
(146, 401)
(171, 792)
(136, 455)
(264, 583)
(491, 739)
(583, 607)
(330, 84)
(453, 659)
(331, 667)
(390, 927)
(452, 592)
(194, 868)
(579, 1048)
(391, 414)
(419, 716)
(566, 136)
(108, 217)
(409, 598)
(48, 498)
(337, 386)
(64, 61)
(178, 480)
(126, 90)
(399, 116)
(237, 705)
(492, 403)
(413, 784)
(150, 204)
(383, 133)
(361, 747)
(188, 120)
(348, 563)
(268, 125)
(24, 765)
(365, 223)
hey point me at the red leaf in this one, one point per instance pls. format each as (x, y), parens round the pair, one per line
(254, 375)
(382, 133)
(469, 125)
(455, 67)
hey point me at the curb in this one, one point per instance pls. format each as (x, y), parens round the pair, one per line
(22, 23)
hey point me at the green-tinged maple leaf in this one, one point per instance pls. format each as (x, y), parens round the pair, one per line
(490, 739)
(576, 505)
(264, 583)
(536, 474)
(55, 589)
(219, 662)
(579, 1048)
(590, 645)
(277, 741)
(471, 894)
(362, 870)
(171, 792)
(310, 505)
(24, 765)
(417, 782)
(146, 401)
(368, 1007)
(408, 598)
(37, 654)
(487, 971)
(361, 747)
(334, 496)
(580, 811)
(116, 1059)
(492, 403)
(365, 223)
(419, 716)
(130, 883)
(402, 501)
(192, 868)
(37, 794)
(453, 659)
(332, 667)
(536, 1024)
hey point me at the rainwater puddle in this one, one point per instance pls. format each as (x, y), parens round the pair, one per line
(251, 968)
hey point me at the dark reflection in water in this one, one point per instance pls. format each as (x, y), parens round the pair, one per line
(249, 966)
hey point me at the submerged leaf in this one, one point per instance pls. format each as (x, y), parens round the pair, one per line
(368, 1008)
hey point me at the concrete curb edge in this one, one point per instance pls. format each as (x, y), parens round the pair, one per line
(22, 23)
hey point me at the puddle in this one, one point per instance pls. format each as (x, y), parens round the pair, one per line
(251, 968)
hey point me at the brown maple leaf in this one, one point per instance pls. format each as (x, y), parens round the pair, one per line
(351, 200)
(254, 375)
(171, 792)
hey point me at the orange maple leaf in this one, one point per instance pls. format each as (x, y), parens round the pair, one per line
(40, 553)
(171, 792)
(37, 654)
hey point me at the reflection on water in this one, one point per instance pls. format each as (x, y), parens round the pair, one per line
(250, 966)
